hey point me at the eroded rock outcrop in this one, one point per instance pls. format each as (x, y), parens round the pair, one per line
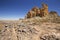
(35, 11)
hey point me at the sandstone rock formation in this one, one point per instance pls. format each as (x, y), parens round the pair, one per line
(38, 11)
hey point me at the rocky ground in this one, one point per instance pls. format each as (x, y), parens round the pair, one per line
(30, 29)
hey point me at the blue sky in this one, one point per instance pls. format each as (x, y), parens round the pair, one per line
(15, 9)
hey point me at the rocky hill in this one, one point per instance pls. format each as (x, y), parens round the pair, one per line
(35, 28)
(39, 24)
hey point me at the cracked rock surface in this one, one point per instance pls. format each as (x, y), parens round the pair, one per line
(29, 29)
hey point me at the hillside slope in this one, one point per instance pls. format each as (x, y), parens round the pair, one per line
(35, 28)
